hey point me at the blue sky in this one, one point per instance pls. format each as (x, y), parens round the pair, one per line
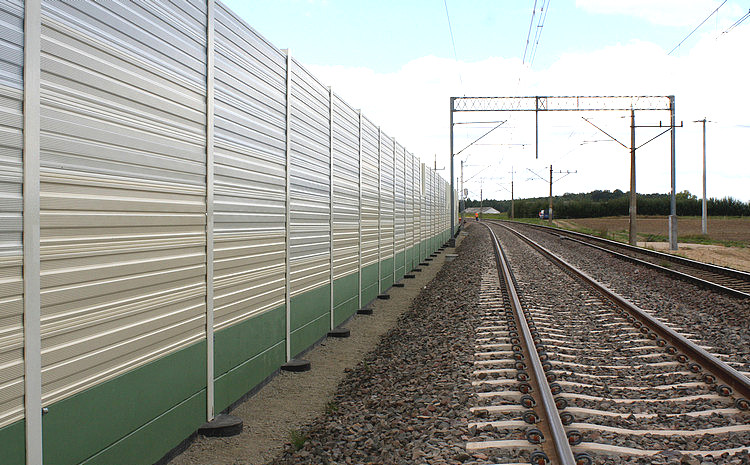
(383, 35)
(395, 60)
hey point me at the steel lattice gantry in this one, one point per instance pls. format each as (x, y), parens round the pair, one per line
(571, 103)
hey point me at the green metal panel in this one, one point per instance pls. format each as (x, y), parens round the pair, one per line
(13, 443)
(79, 427)
(386, 273)
(369, 283)
(345, 297)
(150, 442)
(310, 318)
(247, 353)
(237, 382)
(410, 259)
(310, 306)
(243, 341)
(400, 265)
(304, 337)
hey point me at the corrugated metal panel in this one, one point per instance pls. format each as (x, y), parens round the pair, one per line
(409, 203)
(400, 201)
(370, 193)
(310, 207)
(417, 210)
(424, 202)
(11, 211)
(123, 187)
(249, 185)
(345, 188)
(386, 196)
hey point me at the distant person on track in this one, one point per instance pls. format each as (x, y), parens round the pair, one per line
(476, 216)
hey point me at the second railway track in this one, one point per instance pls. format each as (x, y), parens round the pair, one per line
(727, 280)
(626, 391)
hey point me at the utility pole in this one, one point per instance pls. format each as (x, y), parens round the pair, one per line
(704, 214)
(633, 236)
(512, 197)
(550, 194)
(564, 173)
(462, 207)
(481, 204)
(632, 209)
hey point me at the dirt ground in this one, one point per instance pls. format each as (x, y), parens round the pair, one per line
(730, 257)
(728, 229)
(719, 228)
(291, 400)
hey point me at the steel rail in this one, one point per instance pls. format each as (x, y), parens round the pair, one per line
(723, 372)
(557, 430)
(719, 270)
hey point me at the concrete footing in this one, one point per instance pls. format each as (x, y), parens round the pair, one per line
(339, 332)
(296, 365)
(222, 426)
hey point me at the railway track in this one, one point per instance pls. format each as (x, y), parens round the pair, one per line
(722, 279)
(569, 372)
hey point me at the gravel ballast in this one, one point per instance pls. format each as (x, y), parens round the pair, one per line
(408, 401)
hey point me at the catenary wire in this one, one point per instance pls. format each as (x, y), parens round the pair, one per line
(453, 42)
(696, 28)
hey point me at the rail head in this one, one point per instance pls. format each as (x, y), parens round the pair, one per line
(722, 371)
(559, 438)
(741, 275)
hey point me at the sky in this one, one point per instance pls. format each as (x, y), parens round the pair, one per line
(401, 61)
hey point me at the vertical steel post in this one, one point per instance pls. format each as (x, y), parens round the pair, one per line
(536, 126)
(462, 205)
(394, 209)
(330, 201)
(704, 209)
(380, 198)
(673, 194)
(32, 340)
(288, 204)
(210, 210)
(453, 212)
(549, 219)
(481, 203)
(359, 220)
(633, 235)
(512, 197)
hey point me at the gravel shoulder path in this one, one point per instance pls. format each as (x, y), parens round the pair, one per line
(408, 401)
(290, 401)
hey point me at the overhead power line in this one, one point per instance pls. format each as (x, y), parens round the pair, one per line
(737, 23)
(538, 32)
(696, 28)
(453, 42)
(528, 36)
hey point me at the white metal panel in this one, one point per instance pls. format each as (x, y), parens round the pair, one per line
(370, 194)
(123, 153)
(399, 200)
(11, 211)
(425, 202)
(386, 196)
(309, 182)
(417, 205)
(249, 197)
(345, 188)
(408, 203)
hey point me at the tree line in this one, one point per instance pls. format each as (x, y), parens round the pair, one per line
(600, 203)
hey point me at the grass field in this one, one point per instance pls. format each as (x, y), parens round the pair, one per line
(728, 231)
(721, 230)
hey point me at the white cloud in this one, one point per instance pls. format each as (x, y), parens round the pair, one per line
(662, 12)
(710, 80)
